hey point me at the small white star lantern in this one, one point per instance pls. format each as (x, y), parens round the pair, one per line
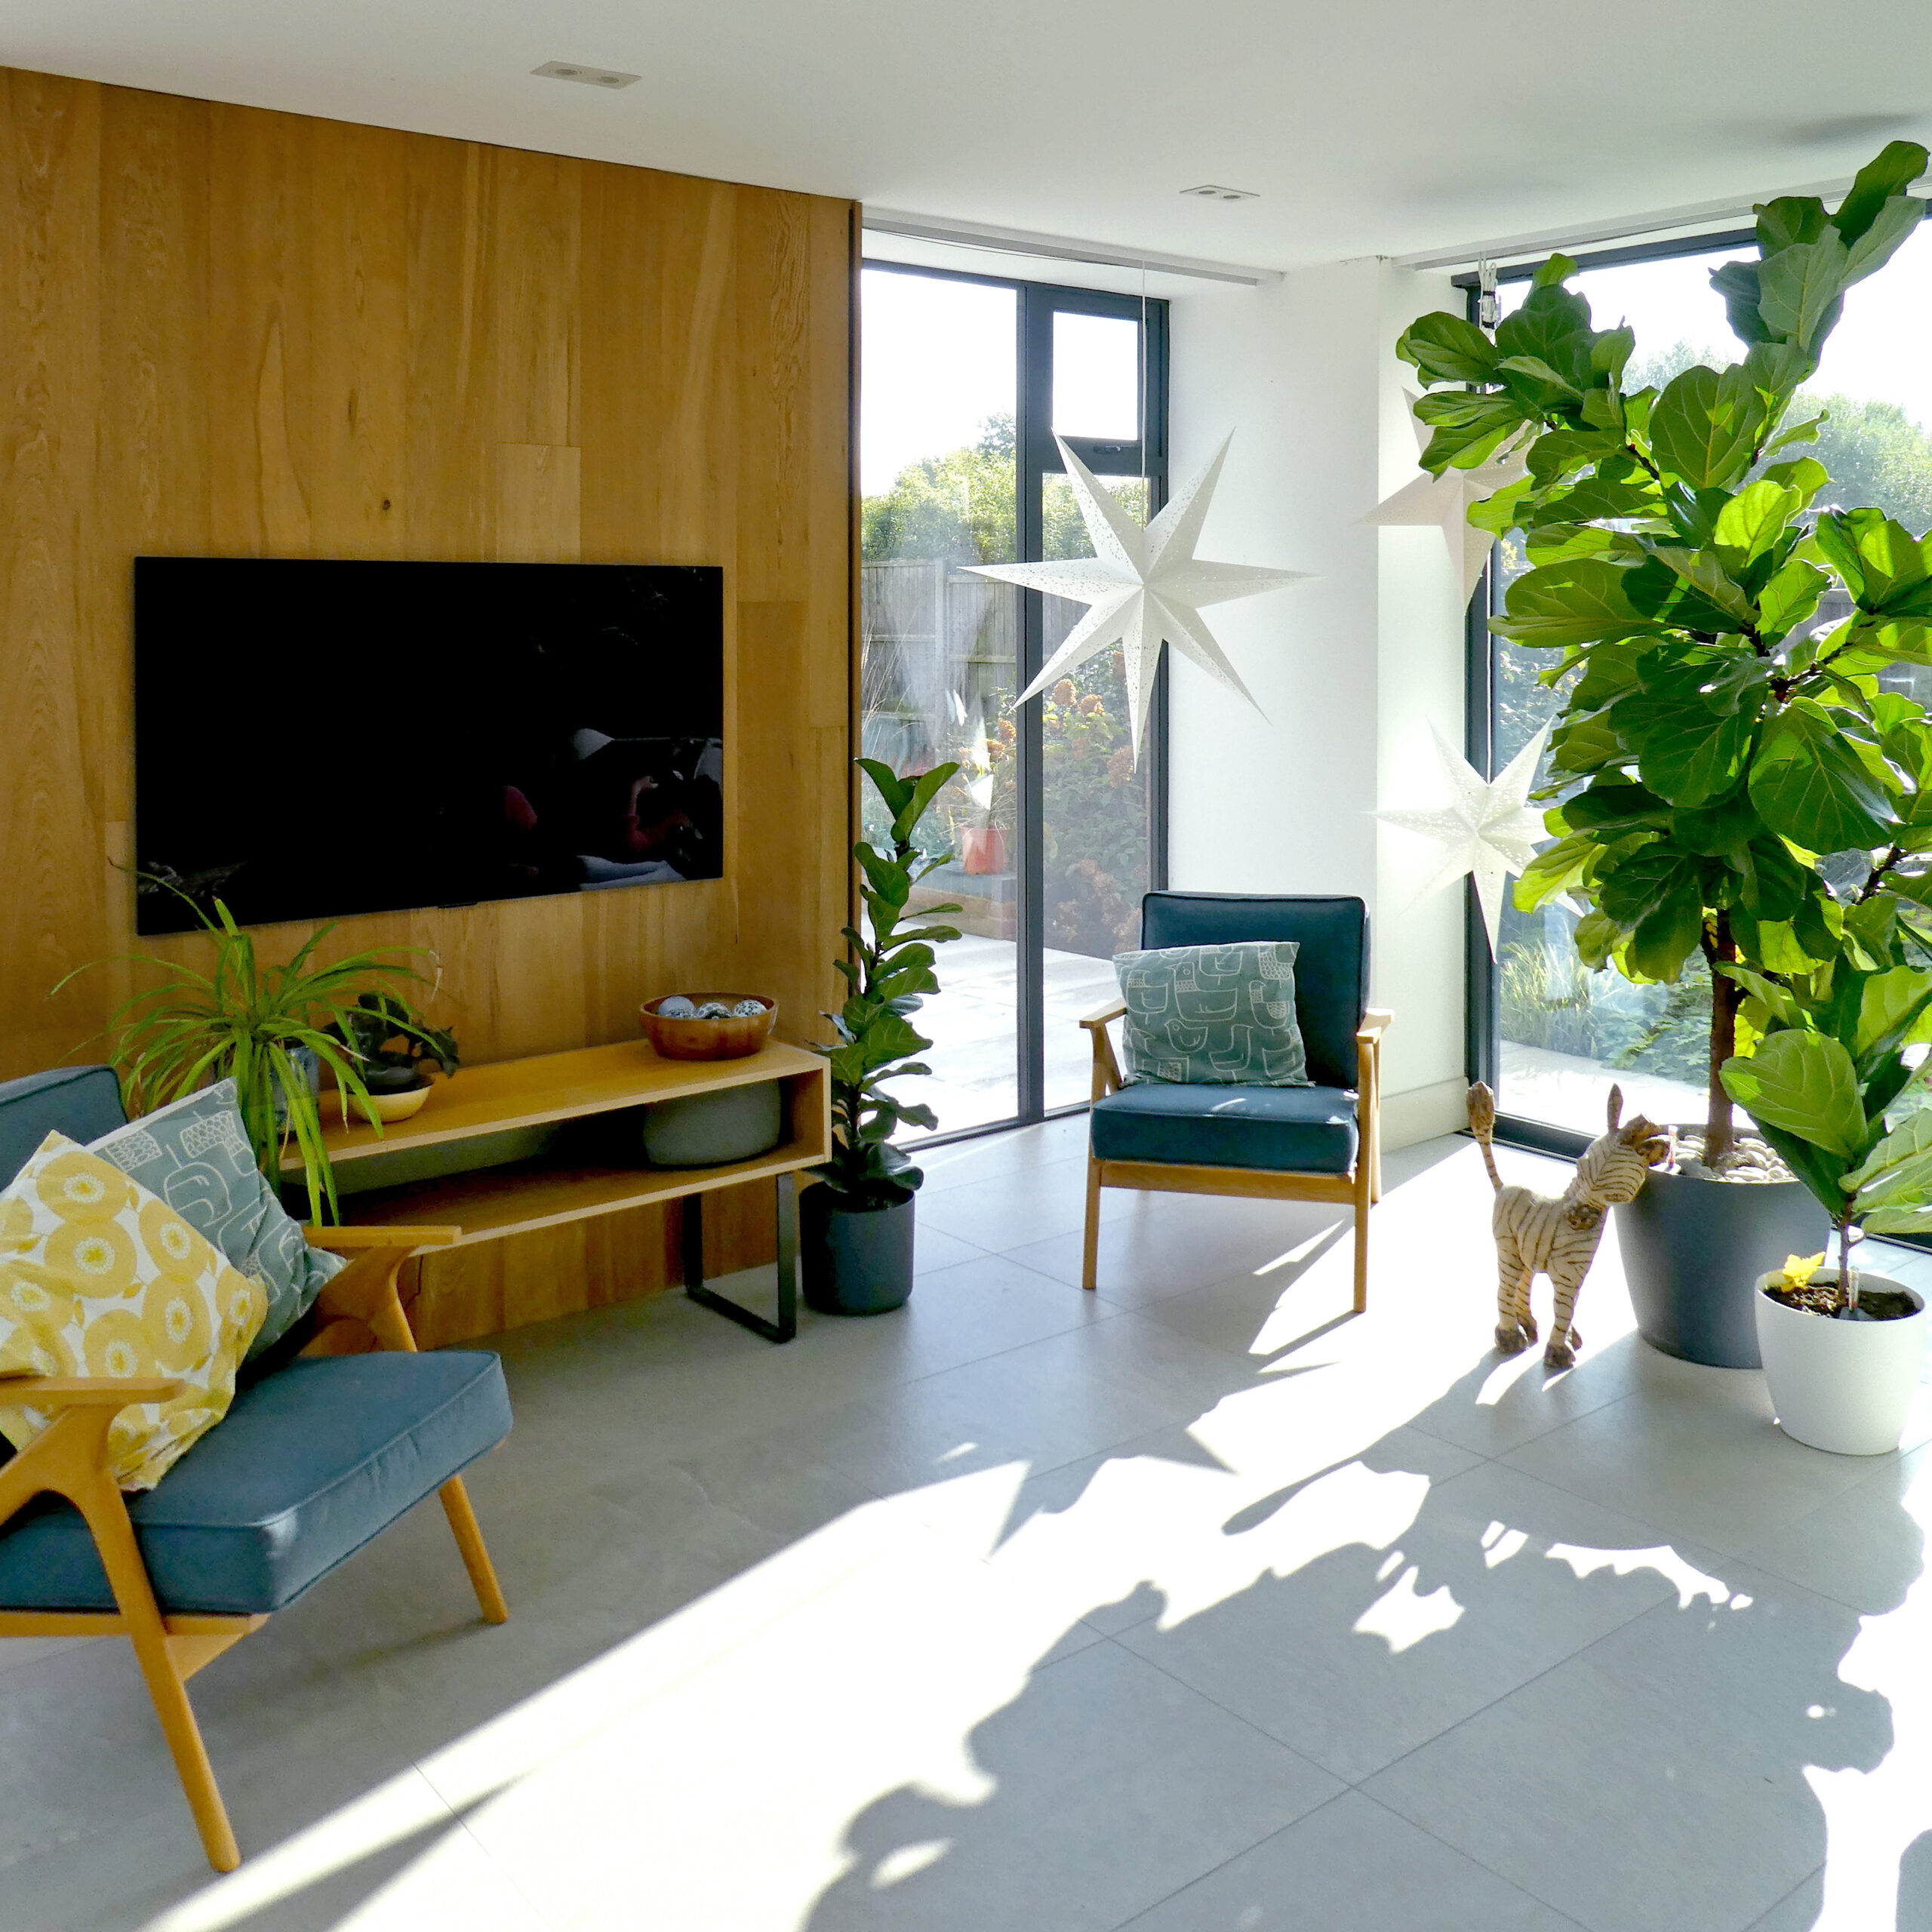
(1444, 500)
(1141, 586)
(1488, 829)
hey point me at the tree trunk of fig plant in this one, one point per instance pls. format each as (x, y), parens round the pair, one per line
(1719, 944)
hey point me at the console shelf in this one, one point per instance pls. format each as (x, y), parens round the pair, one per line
(518, 1195)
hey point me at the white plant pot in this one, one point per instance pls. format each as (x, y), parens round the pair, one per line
(1841, 1386)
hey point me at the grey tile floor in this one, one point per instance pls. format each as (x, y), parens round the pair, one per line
(1194, 1606)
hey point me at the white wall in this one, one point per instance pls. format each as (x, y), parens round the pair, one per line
(1350, 668)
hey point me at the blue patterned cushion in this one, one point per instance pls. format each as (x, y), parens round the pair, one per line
(195, 1155)
(1213, 1015)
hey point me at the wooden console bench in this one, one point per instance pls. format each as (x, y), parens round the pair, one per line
(507, 1105)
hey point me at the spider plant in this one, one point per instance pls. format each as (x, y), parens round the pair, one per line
(247, 1022)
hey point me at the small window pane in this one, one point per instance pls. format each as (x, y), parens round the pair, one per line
(1096, 376)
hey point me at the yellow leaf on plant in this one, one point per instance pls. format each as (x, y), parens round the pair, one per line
(1799, 1269)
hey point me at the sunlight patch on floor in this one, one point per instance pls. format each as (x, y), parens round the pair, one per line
(1401, 1618)
(1689, 1582)
(1871, 1818)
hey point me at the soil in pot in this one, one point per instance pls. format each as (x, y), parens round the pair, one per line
(857, 1259)
(1694, 1243)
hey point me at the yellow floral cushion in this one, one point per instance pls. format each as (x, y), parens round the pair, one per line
(99, 1276)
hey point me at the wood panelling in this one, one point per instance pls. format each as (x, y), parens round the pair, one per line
(233, 333)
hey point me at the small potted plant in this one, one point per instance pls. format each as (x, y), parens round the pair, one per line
(1842, 1347)
(390, 1043)
(857, 1224)
(266, 1028)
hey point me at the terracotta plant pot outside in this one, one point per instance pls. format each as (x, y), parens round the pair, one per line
(1841, 1386)
(983, 849)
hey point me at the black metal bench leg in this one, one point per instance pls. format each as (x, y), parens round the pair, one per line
(786, 1326)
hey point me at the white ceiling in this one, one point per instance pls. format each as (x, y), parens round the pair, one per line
(1371, 126)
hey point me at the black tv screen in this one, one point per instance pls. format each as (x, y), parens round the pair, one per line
(313, 739)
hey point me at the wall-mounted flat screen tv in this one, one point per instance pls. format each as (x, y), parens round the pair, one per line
(314, 738)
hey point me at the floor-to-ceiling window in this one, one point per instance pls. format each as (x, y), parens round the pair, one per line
(1054, 827)
(1550, 1034)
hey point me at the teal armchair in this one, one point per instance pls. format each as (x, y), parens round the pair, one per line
(313, 1459)
(1321, 1143)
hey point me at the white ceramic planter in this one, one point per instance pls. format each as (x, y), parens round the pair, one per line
(1841, 1386)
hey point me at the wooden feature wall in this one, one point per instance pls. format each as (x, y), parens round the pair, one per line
(229, 332)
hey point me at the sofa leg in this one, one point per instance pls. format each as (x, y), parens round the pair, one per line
(476, 1558)
(1090, 1253)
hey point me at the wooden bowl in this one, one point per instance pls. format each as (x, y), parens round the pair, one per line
(708, 1039)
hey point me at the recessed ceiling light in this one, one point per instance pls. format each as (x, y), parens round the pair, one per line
(1210, 191)
(591, 77)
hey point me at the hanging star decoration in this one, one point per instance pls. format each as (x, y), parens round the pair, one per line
(1489, 829)
(1142, 587)
(1444, 500)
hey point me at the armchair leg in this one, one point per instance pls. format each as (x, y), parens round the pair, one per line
(476, 1558)
(1090, 1254)
(1364, 1196)
(113, 1538)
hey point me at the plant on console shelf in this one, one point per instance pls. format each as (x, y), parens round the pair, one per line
(390, 1042)
(889, 971)
(253, 1024)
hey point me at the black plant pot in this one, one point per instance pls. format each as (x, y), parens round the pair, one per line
(1692, 1250)
(856, 1260)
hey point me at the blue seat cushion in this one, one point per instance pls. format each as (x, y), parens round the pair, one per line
(1279, 1130)
(308, 1465)
(83, 1102)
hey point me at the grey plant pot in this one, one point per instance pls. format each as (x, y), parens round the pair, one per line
(1692, 1250)
(855, 1260)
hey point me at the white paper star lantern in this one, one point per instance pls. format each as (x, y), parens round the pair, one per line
(1143, 587)
(1444, 500)
(1488, 828)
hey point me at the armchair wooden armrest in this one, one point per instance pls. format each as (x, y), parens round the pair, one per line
(1106, 1069)
(363, 1297)
(350, 1240)
(1374, 1024)
(83, 1392)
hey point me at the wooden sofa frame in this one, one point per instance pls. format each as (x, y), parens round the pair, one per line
(359, 1309)
(1362, 1187)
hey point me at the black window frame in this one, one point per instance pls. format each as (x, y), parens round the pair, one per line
(1035, 305)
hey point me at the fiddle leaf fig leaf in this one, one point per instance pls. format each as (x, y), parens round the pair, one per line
(1562, 605)
(1889, 172)
(1804, 1083)
(1705, 425)
(1444, 348)
(1800, 289)
(1812, 788)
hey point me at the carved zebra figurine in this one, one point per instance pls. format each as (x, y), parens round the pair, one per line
(1558, 1236)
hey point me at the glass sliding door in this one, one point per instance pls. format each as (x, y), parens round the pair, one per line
(1054, 828)
(1549, 1034)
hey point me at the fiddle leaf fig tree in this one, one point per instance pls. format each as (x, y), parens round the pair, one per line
(888, 972)
(1727, 779)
